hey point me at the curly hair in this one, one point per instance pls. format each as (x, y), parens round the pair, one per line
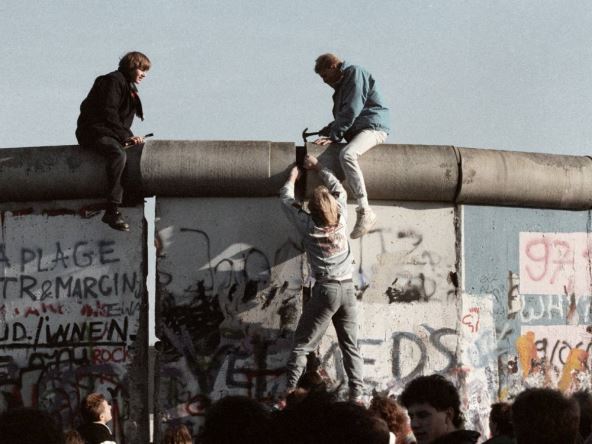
(394, 415)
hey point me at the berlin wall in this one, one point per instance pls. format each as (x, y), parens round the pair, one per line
(464, 274)
(72, 313)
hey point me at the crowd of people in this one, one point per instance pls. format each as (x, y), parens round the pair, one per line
(428, 411)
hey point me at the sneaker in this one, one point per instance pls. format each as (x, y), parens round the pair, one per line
(365, 220)
(115, 220)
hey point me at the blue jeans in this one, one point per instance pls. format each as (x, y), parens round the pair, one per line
(334, 301)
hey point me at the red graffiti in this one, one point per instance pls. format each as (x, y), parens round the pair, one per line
(110, 355)
(43, 309)
(472, 319)
(549, 258)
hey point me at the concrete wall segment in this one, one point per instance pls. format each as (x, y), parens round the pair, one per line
(258, 169)
(213, 168)
(535, 264)
(401, 172)
(514, 178)
(232, 277)
(73, 313)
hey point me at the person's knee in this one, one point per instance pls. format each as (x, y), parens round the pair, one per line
(347, 156)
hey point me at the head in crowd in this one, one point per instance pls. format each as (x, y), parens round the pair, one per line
(95, 408)
(328, 66)
(545, 416)
(433, 405)
(347, 422)
(73, 437)
(31, 426)
(584, 399)
(177, 434)
(236, 419)
(500, 419)
(394, 415)
(323, 207)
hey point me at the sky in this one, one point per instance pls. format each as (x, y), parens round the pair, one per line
(511, 75)
(507, 75)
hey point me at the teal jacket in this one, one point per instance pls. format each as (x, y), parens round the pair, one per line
(357, 105)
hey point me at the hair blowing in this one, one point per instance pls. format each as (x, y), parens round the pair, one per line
(134, 60)
(323, 207)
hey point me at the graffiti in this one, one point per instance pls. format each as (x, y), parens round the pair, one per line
(69, 312)
(410, 289)
(555, 263)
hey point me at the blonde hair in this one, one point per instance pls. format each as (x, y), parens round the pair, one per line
(323, 207)
(325, 61)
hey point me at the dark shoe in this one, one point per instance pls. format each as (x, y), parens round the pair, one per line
(115, 220)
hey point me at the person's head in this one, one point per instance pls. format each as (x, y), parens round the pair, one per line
(323, 207)
(394, 415)
(545, 416)
(134, 65)
(346, 422)
(250, 422)
(25, 424)
(73, 437)
(177, 434)
(433, 405)
(584, 399)
(328, 66)
(500, 419)
(95, 408)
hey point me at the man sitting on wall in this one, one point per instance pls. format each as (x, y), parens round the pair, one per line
(96, 412)
(362, 118)
(104, 124)
(433, 405)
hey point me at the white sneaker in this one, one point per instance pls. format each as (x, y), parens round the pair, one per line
(365, 220)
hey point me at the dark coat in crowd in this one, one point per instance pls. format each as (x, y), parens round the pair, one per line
(459, 437)
(501, 439)
(96, 433)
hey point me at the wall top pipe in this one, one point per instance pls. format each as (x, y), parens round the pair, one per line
(191, 168)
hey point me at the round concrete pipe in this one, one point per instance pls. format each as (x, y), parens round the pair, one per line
(525, 179)
(399, 172)
(57, 172)
(211, 168)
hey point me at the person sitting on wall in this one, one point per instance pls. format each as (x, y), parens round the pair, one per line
(324, 232)
(362, 118)
(96, 413)
(545, 416)
(500, 424)
(433, 405)
(104, 124)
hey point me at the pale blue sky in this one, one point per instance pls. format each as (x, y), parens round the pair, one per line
(512, 75)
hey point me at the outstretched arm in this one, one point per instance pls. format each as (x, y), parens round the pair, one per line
(291, 207)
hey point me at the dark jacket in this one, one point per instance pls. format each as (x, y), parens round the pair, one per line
(459, 437)
(95, 433)
(500, 439)
(109, 109)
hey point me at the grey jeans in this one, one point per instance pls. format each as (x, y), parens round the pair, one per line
(334, 301)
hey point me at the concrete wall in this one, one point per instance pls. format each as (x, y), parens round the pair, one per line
(231, 280)
(73, 313)
(534, 266)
